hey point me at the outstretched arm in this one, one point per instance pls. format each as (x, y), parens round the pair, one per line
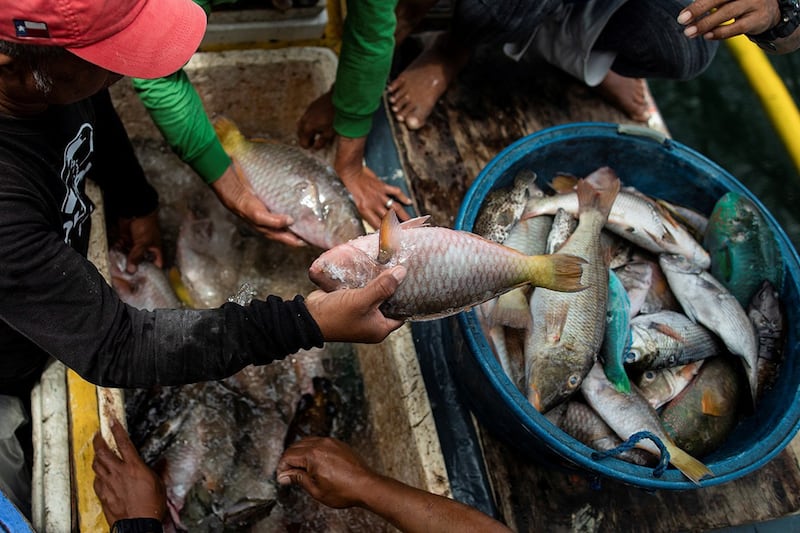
(333, 474)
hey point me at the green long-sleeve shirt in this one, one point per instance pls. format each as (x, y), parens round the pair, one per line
(364, 63)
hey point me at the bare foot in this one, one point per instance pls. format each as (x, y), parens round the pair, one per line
(414, 93)
(627, 94)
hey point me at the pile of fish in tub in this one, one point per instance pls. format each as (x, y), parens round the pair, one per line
(216, 444)
(677, 332)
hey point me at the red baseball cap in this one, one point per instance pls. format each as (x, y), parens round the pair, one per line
(139, 38)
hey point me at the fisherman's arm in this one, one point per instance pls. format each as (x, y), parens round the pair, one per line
(364, 64)
(62, 304)
(333, 474)
(722, 19)
(176, 108)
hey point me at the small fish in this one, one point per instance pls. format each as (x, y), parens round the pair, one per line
(701, 417)
(617, 337)
(667, 339)
(636, 218)
(628, 414)
(637, 278)
(584, 424)
(766, 314)
(294, 182)
(660, 296)
(147, 288)
(562, 227)
(568, 328)
(528, 237)
(502, 208)
(660, 386)
(448, 270)
(742, 247)
(706, 301)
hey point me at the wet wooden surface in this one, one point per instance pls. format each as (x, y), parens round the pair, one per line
(493, 103)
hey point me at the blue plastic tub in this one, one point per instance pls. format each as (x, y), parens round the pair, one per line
(666, 169)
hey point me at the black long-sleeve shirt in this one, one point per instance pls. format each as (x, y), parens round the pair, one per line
(54, 302)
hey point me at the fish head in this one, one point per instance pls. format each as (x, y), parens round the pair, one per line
(344, 266)
(678, 264)
(340, 224)
(552, 381)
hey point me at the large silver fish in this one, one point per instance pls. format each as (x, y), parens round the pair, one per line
(294, 182)
(568, 327)
(636, 218)
(628, 414)
(666, 339)
(448, 270)
(706, 301)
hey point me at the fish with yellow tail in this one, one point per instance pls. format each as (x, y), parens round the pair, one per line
(448, 270)
(291, 181)
(628, 414)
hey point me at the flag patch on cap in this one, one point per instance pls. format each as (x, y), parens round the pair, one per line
(31, 29)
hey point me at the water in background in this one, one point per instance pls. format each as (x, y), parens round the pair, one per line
(720, 116)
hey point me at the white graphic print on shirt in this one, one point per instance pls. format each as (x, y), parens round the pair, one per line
(77, 162)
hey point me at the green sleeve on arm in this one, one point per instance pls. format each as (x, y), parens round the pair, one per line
(177, 111)
(364, 64)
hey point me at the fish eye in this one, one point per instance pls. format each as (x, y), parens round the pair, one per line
(631, 357)
(649, 375)
(573, 381)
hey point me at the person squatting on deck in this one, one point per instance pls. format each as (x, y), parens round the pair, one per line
(58, 128)
(613, 45)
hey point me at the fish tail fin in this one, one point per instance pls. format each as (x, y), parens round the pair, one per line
(228, 133)
(557, 272)
(512, 310)
(179, 287)
(691, 467)
(598, 191)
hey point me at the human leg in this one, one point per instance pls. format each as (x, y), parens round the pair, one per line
(649, 42)
(415, 91)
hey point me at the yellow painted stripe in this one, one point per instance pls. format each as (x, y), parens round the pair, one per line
(84, 423)
(775, 98)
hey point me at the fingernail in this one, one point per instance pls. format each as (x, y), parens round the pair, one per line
(399, 273)
(691, 31)
(284, 480)
(684, 17)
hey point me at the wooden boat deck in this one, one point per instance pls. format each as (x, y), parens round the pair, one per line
(493, 103)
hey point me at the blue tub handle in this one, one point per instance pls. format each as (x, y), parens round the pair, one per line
(643, 131)
(658, 471)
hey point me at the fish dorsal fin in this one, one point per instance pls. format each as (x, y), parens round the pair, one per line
(388, 237)
(665, 329)
(416, 222)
